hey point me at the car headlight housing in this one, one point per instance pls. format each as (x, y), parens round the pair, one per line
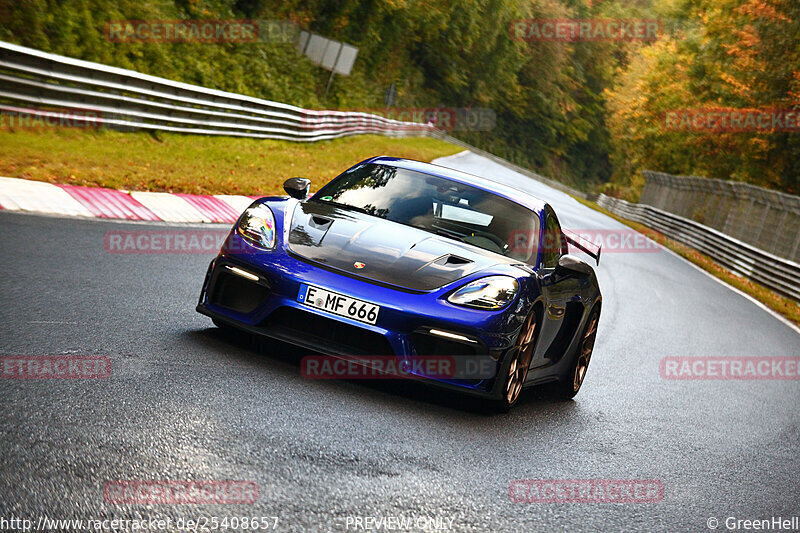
(489, 293)
(257, 225)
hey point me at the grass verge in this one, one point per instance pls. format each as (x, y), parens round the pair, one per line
(784, 306)
(193, 164)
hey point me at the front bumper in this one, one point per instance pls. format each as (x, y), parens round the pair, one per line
(257, 292)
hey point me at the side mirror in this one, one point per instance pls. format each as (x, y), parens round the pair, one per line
(297, 187)
(569, 265)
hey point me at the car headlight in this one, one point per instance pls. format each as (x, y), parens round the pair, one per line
(490, 293)
(257, 225)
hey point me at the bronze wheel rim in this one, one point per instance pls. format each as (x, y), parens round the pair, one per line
(585, 355)
(517, 370)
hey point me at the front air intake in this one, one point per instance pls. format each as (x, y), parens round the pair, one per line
(236, 292)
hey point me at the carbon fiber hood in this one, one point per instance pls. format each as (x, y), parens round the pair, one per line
(381, 250)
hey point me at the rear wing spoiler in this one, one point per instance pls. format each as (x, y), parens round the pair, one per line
(590, 248)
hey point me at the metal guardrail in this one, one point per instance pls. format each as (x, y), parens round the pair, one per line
(776, 273)
(33, 82)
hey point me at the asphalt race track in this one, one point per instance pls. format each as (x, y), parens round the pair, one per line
(186, 401)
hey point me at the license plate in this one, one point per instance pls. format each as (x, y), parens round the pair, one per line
(338, 304)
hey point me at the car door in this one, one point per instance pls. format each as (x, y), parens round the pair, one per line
(556, 289)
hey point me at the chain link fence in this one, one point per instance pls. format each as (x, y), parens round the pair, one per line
(780, 275)
(768, 220)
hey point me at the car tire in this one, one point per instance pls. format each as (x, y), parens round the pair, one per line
(516, 370)
(567, 387)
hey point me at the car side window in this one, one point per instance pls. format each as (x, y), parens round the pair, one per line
(553, 241)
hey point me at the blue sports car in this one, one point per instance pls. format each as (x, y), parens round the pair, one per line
(402, 259)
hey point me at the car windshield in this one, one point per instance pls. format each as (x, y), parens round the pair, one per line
(437, 205)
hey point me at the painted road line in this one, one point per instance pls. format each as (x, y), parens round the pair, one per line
(108, 203)
(214, 209)
(40, 197)
(169, 207)
(238, 203)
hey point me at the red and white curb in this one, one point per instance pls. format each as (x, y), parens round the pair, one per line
(74, 200)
